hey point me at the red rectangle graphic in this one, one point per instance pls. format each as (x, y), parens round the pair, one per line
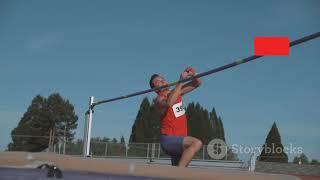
(271, 46)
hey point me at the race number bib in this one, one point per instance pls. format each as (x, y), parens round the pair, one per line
(178, 109)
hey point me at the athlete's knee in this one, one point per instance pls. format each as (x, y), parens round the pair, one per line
(197, 144)
(192, 142)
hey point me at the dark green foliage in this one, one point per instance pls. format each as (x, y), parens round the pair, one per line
(114, 140)
(33, 123)
(315, 162)
(62, 115)
(272, 150)
(146, 125)
(137, 135)
(217, 126)
(45, 121)
(199, 123)
(122, 141)
(221, 129)
(302, 158)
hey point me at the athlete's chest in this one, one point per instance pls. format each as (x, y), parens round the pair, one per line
(178, 109)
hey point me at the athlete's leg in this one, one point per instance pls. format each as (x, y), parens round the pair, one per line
(175, 159)
(173, 146)
(191, 145)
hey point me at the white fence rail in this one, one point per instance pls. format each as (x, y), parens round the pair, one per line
(150, 153)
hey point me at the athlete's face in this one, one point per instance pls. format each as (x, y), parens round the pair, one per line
(159, 81)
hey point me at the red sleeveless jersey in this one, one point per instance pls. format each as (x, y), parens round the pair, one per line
(174, 120)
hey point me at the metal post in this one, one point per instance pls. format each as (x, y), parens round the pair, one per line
(106, 151)
(85, 134)
(127, 148)
(252, 162)
(64, 137)
(203, 147)
(64, 144)
(226, 153)
(148, 151)
(159, 151)
(59, 146)
(87, 129)
(153, 150)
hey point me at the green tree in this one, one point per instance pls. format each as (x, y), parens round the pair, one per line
(122, 141)
(53, 117)
(192, 121)
(198, 122)
(302, 158)
(32, 126)
(138, 133)
(221, 129)
(272, 150)
(217, 126)
(114, 140)
(123, 145)
(314, 162)
(152, 125)
(146, 127)
(62, 119)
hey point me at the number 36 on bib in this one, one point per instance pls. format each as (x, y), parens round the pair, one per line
(178, 109)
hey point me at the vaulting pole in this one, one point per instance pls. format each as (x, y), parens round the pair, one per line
(227, 66)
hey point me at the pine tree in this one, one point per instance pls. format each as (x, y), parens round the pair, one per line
(33, 124)
(215, 124)
(206, 127)
(153, 125)
(62, 119)
(146, 127)
(272, 150)
(114, 140)
(53, 117)
(303, 159)
(198, 122)
(191, 119)
(221, 129)
(139, 126)
(314, 162)
(122, 141)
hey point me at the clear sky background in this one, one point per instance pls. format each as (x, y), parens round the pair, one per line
(110, 48)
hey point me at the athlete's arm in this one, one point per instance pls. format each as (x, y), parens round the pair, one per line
(190, 86)
(163, 101)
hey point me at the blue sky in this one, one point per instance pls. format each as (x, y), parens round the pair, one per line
(110, 48)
